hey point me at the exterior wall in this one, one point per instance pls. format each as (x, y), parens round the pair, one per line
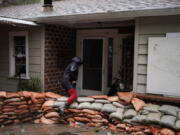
(59, 50)
(35, 57)
(149, 27)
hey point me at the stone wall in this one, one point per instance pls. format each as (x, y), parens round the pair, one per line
(59, 49)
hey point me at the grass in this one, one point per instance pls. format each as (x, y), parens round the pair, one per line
(19, 2)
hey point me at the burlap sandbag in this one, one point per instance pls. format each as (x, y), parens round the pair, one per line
(12, 95)
(23, 107)
(51, 114)
(48, 103)
(7, 122)
(75, 110)
(12, 100)
(126, 96)
(105, 121)
(138, 103)
(90, 111)
(82, 119)
(99, 96)
(3, 94)
(3, 116)
(47, 121)
(17, 103)
(113, 98)
(8, 109)
(52, 95)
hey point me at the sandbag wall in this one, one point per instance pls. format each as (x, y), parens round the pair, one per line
(22, 106)
(121, 113)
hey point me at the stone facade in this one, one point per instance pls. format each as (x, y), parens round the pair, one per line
(59, 49)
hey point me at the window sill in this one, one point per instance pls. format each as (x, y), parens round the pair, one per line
(16, 78)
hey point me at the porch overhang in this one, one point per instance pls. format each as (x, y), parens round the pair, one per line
(108, 16)
(16, 22)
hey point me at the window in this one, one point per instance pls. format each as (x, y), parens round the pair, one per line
(110, 61)
(18, 51)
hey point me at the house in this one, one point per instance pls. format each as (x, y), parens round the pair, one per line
(137, 40)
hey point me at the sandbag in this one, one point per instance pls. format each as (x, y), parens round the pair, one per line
(118, 114)
(51, 114)
(99, 96)
(12, 100)
(90, 111)
(109, 108)
(3, 116)
(85, 99)
(103, 101)
(151, 107)
(118, 105)
(37, 121)
(166, 131)
(84, 105)
(3, 94)
(177, 125)
(113, 98)
(52, 95)
(12, 95)
(37, 95)
(62, 99)
(96, 106)
(169, 110)
(126, 96)
(168, 121)
(47, 121)
(26, 94)
(154, 118)
(17, 103)
(139, 118)
(138, 103)
(74, 105)
(75, 110)
(48, 103)
(129, 113)
(23, 107)
(82, 119)
(100, 121)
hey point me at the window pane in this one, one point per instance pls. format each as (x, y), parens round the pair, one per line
(20, 55)
(110, 60)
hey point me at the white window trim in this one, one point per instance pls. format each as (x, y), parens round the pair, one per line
(11, 53)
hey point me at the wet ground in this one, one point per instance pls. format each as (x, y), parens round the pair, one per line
(57, 129)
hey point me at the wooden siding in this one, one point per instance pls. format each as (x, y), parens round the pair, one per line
(35, 56)
(150, 27)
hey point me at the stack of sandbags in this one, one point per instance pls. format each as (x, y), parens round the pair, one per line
(50, 114)
(14, 108)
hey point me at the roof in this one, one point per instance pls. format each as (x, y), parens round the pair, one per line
(14, 22)
(87, 7)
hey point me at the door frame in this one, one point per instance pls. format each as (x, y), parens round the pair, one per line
(104, 69)
(95, 34)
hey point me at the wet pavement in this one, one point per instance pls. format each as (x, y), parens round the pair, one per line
(56, 129)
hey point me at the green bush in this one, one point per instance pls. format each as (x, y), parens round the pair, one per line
(33, 84)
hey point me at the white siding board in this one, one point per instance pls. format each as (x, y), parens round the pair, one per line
(143, 39)
(143, 49)
(142, 79)
(142, 69)
(34, 60)
(34, 52)
(142, 59)
(35, 68)
(141, 88)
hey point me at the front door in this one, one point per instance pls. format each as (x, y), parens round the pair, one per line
(93, 66)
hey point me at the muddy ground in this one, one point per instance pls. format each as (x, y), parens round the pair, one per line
(57, 129)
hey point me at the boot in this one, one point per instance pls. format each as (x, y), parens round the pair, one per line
(63, 107)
